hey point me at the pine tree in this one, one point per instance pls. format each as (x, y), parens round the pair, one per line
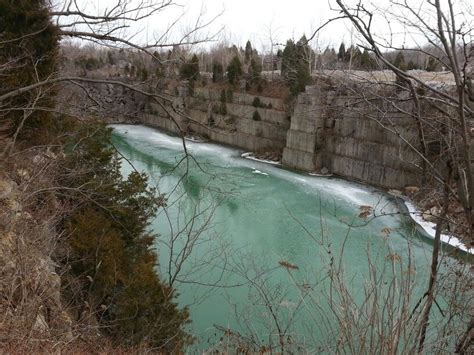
(431, 64)
(399, 61)
(367, 62)
(130, 301)
(190, 70)
(195, 67)
(411, 65)
(217, 72)
(255, 70)
(341, 55)
(248, 52)
(294, 65)
(288, 59)
(234, 70)
(30, 58)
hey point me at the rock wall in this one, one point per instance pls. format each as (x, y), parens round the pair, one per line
(327, 129)
(347, 136)
(234, 120)
(351, 131)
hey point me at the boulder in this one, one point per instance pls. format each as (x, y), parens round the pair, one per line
(6, 189)
(411, 190)
(431, 215)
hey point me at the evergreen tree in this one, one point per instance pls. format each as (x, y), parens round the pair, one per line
(294, 66)
(144, 74)
(234, 70)
(248, 52)
(341, 55)
(195, 66)
(304, 55)
(217, 72)
(190, 70)
(411, 65)
(431, 64)
(30, 58)
(367, 62)
(399, 61)
(288, 59)
(110, 58)
(106, 253)
(111, 224)
(255, 70)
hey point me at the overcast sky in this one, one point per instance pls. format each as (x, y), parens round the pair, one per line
(241, 20)
(254, 19)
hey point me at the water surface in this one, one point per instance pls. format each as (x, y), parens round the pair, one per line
(259, 235)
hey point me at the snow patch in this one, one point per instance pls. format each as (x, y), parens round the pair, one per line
(340, 189)
(259, 172)
(319, 175)
(430, 229)
(249, 155)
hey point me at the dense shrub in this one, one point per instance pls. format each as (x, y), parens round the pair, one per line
(30, 59)
(217, 72)
(294, 66)
(256, 102)
(256, 116)
(234, 70)
(190, 70)
(111, 248)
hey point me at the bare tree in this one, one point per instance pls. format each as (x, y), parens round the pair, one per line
(443, 26)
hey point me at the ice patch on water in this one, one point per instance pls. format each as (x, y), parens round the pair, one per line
(259, 172)
(248, 155)
(430, 229)
(336, 188)
(143, 133)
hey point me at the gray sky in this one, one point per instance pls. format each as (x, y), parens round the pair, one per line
(245, 19)
(253, 19)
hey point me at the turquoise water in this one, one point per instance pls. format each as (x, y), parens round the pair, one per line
(239, 237)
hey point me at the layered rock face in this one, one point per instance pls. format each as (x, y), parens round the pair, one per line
(249, 122)
(326, 129)
(363, 132)
(353, 138)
